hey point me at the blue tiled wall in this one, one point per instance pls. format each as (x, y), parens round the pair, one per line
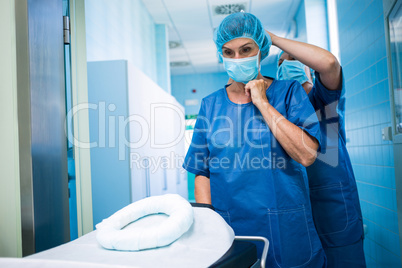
(364, 61)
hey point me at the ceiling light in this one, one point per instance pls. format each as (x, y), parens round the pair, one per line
(174, 44)
(228, 9)
(179, 63)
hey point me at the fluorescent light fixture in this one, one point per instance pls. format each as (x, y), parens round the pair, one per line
(333, 28)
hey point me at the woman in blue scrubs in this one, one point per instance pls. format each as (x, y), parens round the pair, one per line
(333, 192)
(251, 142)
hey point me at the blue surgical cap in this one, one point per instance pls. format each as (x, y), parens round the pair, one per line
(243, 25)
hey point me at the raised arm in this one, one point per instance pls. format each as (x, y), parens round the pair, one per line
(313, 56)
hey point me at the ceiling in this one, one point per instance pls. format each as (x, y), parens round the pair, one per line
(191, 24)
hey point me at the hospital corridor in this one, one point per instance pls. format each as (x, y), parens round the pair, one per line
(201, 133)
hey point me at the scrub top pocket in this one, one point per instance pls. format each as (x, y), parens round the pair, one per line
(290, 237)
(329, 209)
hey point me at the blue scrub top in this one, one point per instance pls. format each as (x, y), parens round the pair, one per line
(255, 185)
(333, 192)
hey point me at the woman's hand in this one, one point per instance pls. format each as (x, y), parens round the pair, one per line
(256, 89)
(272, 36)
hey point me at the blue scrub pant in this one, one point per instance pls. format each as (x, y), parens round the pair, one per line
(350, 256)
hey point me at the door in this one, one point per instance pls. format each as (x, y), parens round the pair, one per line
(40, 76)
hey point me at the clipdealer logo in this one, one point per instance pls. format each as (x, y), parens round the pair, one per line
(133, 134)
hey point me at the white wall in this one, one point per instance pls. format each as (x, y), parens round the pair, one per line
(316, 23)
(121, 30)
(162, 57)
(10, 208)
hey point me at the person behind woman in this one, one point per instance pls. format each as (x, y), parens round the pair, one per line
(251, 141)
(333, 191)
(291, 69)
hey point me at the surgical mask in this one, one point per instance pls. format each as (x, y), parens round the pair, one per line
(242, 70)
(292, 70)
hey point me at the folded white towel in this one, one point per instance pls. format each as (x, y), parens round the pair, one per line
(111, 235)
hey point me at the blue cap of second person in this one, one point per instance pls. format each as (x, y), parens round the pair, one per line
(244, 25)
